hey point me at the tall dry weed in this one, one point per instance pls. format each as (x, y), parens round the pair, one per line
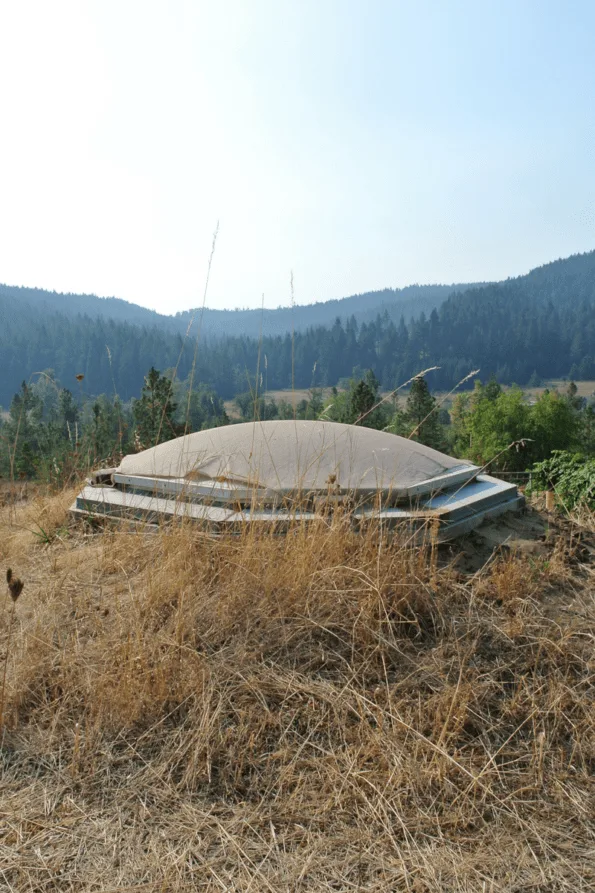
(320, 710)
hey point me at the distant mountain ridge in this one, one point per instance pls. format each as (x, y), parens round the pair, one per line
(409, 301)
(540, 325)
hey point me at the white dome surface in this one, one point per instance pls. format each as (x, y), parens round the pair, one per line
(306, 456)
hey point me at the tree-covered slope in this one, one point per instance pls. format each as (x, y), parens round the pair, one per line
(542, 323)
(111, 355)
(409, 301)
(69, 304)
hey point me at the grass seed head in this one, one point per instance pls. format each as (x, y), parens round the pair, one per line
(15, 585)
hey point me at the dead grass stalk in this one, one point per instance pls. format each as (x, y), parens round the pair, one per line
(317, 711)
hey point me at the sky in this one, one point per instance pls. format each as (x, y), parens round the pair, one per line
(361, 144)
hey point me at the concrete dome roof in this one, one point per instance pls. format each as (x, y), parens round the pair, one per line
(227, 477)
(305, 456)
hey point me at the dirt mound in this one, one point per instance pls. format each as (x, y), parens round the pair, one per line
(534, 532)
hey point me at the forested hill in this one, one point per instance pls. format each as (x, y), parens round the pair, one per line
(542, 324)
(69, 304)
(409, 301)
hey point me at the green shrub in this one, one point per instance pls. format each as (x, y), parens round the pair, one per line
(571, 475)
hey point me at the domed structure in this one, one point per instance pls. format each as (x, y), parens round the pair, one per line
(279, 471)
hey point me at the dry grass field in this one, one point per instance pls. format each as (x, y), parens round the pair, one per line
(315, 712)
(291, 397)
(584, 389)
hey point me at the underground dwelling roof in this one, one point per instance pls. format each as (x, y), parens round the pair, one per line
(306, 456)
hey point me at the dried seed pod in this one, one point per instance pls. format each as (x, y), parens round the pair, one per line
(15, 586)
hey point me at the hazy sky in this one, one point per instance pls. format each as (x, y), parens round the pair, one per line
(361, 143)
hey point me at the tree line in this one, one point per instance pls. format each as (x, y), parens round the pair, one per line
(536, 327)
(54, 434)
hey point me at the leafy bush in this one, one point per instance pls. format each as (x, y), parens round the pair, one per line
(571, 475)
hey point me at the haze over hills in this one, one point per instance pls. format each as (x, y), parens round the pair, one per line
(408, 301)
(541, 324)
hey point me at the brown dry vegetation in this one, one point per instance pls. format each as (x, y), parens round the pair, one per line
(314, 712)
(292, 397)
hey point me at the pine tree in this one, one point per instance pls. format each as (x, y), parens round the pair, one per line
(68, 414)
(154, 412)
(361, 400)
(105, 431)
(572, 396)
(421, 417)
(315, 404)
(22, 432)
